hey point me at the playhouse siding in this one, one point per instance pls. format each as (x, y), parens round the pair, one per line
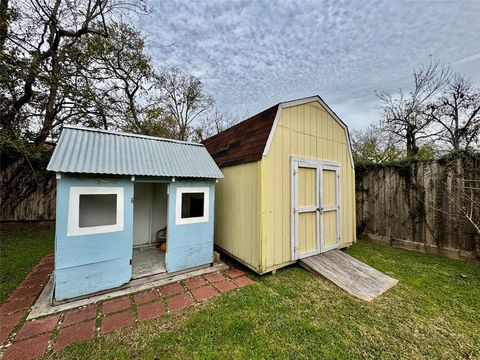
(309, 131)
(89, 263)
(237, 210)
(189, 245)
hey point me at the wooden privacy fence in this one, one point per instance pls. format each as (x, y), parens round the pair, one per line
(26, 194)
(412, 205)
(422, 205)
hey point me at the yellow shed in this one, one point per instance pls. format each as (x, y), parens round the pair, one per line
(289, 185)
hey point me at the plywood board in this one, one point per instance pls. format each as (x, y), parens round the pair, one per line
(350, 274)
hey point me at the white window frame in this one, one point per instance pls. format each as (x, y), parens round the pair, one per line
(73, 227)
(192, 220)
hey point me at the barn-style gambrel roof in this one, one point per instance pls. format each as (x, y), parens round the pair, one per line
(250, 139)
(243, 142)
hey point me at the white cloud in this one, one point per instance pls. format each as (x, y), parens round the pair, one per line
(467, 59)
(253, 54)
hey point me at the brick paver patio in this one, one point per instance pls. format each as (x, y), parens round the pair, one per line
(32, 339)
(116, 305)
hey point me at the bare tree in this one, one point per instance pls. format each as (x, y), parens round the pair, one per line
(463, 198)
(457, 113)
(183, 97)
(404, 114)
(467, 201)
(212, 124)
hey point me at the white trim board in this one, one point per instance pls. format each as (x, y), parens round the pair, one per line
(337, 207)
(73, 226)
(178, 206)
(306, 100)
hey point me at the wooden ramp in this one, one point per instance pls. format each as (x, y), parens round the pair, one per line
(350, 274)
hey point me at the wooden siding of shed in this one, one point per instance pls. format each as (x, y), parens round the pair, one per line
(237, 213)
(309, 131)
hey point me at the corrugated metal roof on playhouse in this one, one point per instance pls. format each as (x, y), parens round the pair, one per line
(95, 151)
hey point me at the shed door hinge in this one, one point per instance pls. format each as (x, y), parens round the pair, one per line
(132, 200)
(130, 262)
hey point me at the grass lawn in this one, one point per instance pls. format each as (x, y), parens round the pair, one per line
(21, 247)
(434, 312)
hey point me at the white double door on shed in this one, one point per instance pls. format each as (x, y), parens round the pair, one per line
(315, 207)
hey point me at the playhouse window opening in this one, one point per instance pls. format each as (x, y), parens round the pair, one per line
(97, 210)
(193, 205)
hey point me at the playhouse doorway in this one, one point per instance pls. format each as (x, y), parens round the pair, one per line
(149, 217)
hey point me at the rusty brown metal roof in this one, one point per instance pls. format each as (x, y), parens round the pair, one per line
(243, 142)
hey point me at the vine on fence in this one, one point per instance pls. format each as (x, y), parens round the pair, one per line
(437, 201)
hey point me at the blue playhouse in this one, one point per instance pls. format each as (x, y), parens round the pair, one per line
(129, 206)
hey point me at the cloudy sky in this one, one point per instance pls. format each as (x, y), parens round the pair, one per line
(253, 54)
